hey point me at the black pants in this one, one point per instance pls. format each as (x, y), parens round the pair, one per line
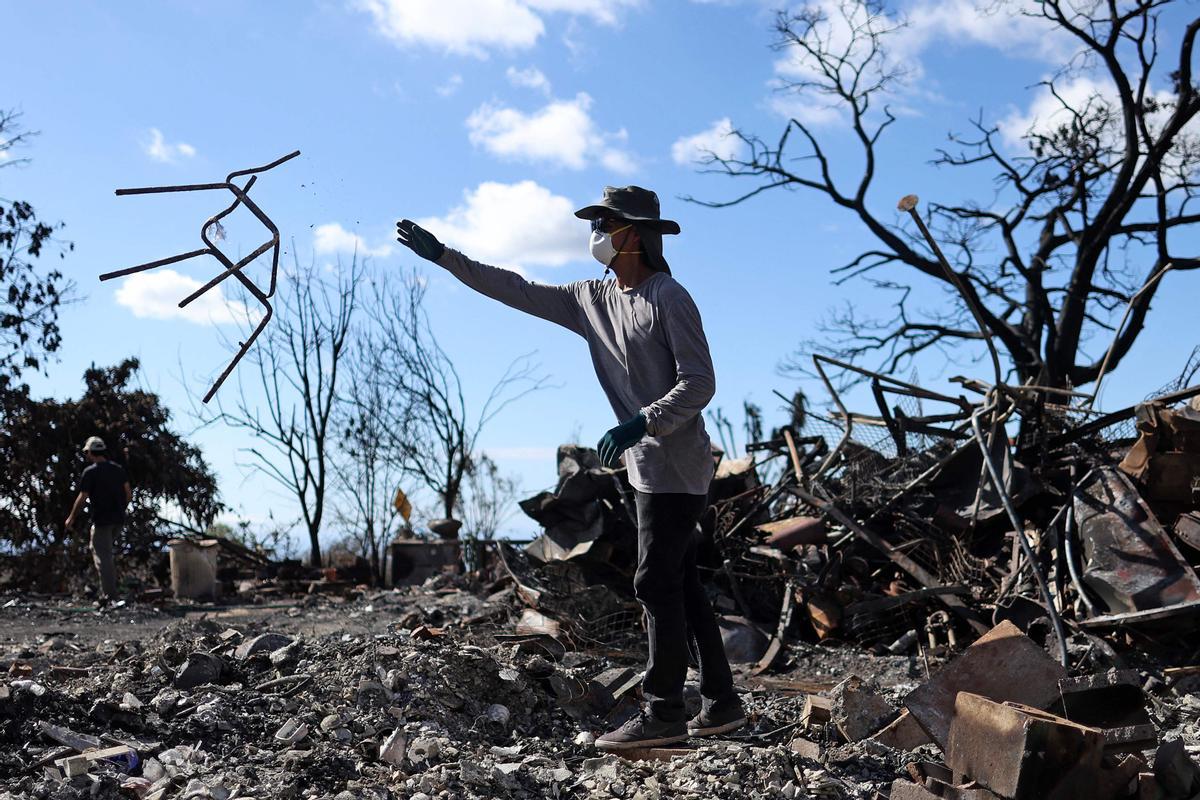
(668, 585)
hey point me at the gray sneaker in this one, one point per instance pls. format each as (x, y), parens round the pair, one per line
(717, 719)
(644, 730)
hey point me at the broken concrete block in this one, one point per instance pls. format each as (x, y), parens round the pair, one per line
(817, 710)
(424, 750)
(607, 688)
(1021, 752)
(1175, 771)
(903, 733)
(393, 748)
(805, 748)
(264, 643)
(907, 790)
(858, 710)
(1003, 664)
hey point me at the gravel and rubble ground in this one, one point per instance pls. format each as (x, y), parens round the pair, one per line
(387, 696)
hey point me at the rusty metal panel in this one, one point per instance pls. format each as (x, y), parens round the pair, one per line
(1113, 702)
(1003, 664)
(1128, 558)
(794, 531)
(1020, 752)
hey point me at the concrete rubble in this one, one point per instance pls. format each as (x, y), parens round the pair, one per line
(916, 605)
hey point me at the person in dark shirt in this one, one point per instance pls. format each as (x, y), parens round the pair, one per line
(106, 486)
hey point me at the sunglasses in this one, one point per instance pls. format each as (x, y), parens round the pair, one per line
(606, 224)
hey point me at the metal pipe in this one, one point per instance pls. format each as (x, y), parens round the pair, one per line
(1117, 333)
(1026, 548)
(909, 203)
(912, 388)
(1069, 543)
(846, 420)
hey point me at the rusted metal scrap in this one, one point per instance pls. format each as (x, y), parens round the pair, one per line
(1021, 752)
(1002, 665)
(1129, 560)
(212, 224)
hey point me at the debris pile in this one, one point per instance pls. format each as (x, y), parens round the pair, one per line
(364, 708)
(908, 532)
(1014, 524)
(985, 599)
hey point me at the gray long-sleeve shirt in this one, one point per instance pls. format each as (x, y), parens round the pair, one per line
(650, 355)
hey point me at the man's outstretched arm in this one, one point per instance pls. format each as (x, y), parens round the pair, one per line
(554, 303)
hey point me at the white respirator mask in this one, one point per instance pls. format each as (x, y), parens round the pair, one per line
(602, 247)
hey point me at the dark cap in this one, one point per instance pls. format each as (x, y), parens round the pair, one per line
(632, 203)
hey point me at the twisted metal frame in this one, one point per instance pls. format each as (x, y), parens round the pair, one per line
(241, 197)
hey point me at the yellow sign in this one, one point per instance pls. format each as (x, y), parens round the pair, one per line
(402, 505)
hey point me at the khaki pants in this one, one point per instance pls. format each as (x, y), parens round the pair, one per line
(102, 556)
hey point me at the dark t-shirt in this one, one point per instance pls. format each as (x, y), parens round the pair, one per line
(104, 483)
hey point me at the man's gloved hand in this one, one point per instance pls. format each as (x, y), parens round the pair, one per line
(419, 240)
(620, 439)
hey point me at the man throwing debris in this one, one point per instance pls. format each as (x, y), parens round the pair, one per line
(649, 352)
(106, 486)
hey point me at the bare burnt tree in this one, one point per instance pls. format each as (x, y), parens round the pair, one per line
(367, 479)
(490, 499)
(429, 433)
(295, 373)
(1085, 219)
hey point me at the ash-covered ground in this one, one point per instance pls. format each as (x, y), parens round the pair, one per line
(390, 695)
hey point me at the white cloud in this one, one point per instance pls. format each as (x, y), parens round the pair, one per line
(561, 133)
(452, 85)
(475, 27)
(911, 32)
(529, 78)
(718, 140)
(331, 238)
(1014, 28)
(513, 224)
(602, 11)
(159, 149)
(155, 294)
(806, 108)
(1047, 111)
(1051, 109)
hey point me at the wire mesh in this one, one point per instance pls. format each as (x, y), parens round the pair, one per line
(588, 613)
(883, 629)
(870, 470)
(1185, 378)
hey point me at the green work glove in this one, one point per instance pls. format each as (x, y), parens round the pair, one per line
(620, 439)
(419, 240)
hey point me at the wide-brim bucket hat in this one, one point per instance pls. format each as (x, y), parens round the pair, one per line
(631, 203)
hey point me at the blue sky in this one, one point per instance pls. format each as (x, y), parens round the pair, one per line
(490, 121)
